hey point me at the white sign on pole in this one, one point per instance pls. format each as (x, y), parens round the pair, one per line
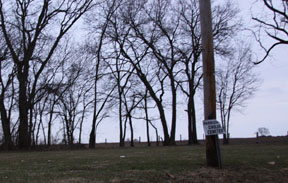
(212, 127)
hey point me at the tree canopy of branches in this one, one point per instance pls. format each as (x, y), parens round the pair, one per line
(32, 31)
(7, 97)
(158, 38)
(136, 57)
(225, 25)
(273, 25)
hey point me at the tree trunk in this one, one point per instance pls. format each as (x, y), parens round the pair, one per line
(92, 137)
(147, 132)
(148, 86)
(6, 127)
(35, 142)
(122, 140)
(131, 130)
(190, 123)
(157, 139)
(82, 120)
(164, 125)
(147, 118)
(174, 113)
(69, 131)
(225, 139)
(70, 138)
(147, 122)
(32, 126)
(44, 135)
(24, 138)
(64, 134)
(163, 119)
(227, 127)
(156, 131)
(193, 121)
(50, 125)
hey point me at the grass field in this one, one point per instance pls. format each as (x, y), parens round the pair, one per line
(241, 163)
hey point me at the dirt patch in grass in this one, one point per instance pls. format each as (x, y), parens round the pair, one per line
(72, 180)
(207, 175)
(232, 174)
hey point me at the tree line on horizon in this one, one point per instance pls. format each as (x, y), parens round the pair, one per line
(133, 57)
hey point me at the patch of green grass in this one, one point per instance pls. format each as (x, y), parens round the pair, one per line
(140, 164)
(259, 155)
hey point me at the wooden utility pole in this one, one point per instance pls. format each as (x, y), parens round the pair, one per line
(213, 155)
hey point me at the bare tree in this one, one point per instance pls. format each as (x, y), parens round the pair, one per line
(121, 72)
(7, 89)
(140, 44)
(189, 48)
(190, 57)
(102, 92)
(164, 36)
(273, 25)
(263, 131)
(38, 123)
(149, 75)
(132, 99)
(163, 47)
(53, 84)
(53, 88)
(73, 104)
(145, 106)
(236, 83)
(32, 31)
(148, 118)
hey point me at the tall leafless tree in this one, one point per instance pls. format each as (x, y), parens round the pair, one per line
(132, 98)
(164, 35)
(136, 37)
(101, 94)
(225, 25)
(236, 82)
(73, 103)
(163, 48)
(121, 73)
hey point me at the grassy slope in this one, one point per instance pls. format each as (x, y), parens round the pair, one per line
(241, 163)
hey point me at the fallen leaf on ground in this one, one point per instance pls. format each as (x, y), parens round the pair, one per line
(272, 163)
(170, 175)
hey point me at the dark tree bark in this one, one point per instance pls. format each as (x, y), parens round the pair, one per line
(51, 111)
(24, 137)
(192, 137)
(6, 112)
(131, 130)
(156, 132)
(147, 117)
(120, 91)
(7, 144)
